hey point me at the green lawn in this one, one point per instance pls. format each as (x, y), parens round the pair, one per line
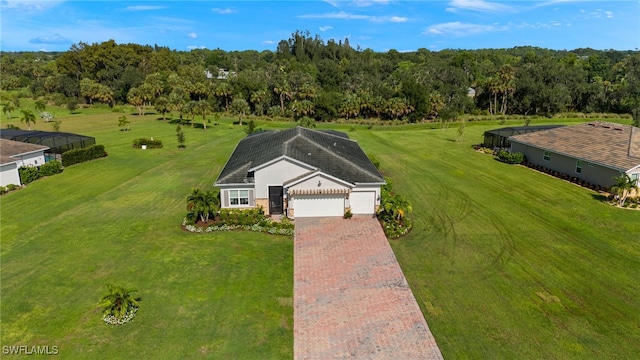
(117, 219)
(504, 262)
(509, 263)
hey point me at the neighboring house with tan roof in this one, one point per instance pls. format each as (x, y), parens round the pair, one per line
(300, 172)
(16, 154)
(594, 152)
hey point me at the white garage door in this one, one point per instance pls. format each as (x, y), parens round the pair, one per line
(362, 202)
(318, 205)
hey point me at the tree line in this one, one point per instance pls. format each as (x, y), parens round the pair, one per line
(308, 77)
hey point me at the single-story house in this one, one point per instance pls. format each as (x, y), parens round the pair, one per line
(300, 172)
(16, 154)
(594, 152)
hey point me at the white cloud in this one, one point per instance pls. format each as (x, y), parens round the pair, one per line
(268, 42)
(364, 3)
(194, 47)
(609, 14)
(333, 3)
(53, 39)
(460, 29)
(325, 28)
(478, 5)
(27, 5)
(341, 15)
(223, 11)
(143, 8)
(336, 15)
(192, 35)
(398, 19)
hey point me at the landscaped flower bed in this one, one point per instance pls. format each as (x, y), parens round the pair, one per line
(113, 320)
(250, 220)
(392, 212)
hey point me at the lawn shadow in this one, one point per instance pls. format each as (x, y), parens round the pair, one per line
(599, 197)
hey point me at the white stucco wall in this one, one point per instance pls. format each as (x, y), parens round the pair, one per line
(275, 175)
(9, 174)
(33, 159)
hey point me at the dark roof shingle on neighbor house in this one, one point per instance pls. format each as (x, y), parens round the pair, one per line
(9, 149)
(329, 151)
(612, 145)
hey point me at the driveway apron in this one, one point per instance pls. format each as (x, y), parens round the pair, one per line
(351, 299)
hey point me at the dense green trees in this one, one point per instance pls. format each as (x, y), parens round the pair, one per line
(307, 76)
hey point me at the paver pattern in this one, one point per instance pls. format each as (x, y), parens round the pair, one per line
(351, 299)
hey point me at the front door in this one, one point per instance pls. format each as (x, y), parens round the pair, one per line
(275, 199)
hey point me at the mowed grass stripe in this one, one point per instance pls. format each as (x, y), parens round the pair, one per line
(504, 262)
(213, 295)
(507, 262)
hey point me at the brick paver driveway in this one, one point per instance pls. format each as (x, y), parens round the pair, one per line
(351, 299)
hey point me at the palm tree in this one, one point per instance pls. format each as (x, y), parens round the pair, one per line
(134, 98)
(202, 203)
(223, 91)
(258, 98)
(240, 107)
(203, 108)
(117, 301)
(28, 117)
(40, 106)
(162, 106)
(190, 109)
(623, 187)
(177, 101)
(7, 108)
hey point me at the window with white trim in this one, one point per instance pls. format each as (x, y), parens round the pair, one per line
(635, 178)
(238, 197)
(579, 167)
(547, 156)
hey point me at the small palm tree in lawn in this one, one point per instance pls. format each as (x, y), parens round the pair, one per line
(118, 304)
(40, 106)
(7, 108)
(202, 204)
(28, 117)
(623, 187)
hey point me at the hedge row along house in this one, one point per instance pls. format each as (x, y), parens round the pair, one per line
(594, 152)
(300, 172)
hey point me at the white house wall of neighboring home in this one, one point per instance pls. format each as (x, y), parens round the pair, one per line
(9, 174)
(30, 159)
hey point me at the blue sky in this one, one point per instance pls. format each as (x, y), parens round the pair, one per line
(381, 25)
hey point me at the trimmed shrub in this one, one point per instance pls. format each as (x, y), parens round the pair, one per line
(151, 143)
(12, 187)
(51, 168)
(76, 156)
(510, 158)
(29, 174)
(3, 190)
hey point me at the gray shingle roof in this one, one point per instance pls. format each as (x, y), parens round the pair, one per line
(613, 145)
(10, 148)
(332, 153)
